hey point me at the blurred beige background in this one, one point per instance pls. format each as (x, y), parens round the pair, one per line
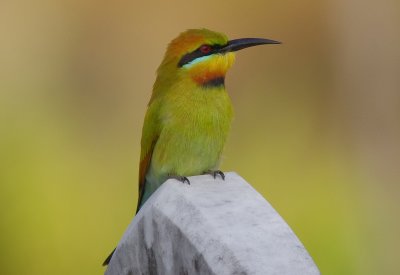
(316, 127)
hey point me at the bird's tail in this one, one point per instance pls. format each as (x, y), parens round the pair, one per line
(141, 200)
(107, 261)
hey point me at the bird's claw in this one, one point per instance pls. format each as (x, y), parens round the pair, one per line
(214, 173)
(180, 178)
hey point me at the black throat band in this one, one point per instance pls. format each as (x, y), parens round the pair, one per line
(215, 82)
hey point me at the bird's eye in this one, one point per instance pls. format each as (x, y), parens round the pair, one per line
(205, 49)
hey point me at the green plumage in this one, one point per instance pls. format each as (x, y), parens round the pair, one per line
(191, 124)
(188, 120)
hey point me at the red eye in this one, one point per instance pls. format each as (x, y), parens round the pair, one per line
(205, 49)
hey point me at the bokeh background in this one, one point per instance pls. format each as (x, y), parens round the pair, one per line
(316, 127)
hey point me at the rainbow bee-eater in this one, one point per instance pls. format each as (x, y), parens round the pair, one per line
(190, 113)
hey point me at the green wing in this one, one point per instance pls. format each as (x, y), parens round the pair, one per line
(150, 134)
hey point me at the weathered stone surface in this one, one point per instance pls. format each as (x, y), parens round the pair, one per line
(209, 227)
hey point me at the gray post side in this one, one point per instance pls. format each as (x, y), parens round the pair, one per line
(209, 227)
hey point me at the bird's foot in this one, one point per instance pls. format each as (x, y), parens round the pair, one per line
(214, 173)
(179, 178)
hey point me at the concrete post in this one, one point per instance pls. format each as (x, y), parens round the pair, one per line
(209, 227)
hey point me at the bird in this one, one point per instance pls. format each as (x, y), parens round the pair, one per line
(189, 114)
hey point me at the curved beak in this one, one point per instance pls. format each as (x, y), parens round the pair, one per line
(242, 43)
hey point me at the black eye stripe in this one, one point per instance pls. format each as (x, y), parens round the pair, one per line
(189, 57)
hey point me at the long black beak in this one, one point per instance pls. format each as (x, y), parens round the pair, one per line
(242, 43)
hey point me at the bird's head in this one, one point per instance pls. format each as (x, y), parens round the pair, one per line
(202, 56)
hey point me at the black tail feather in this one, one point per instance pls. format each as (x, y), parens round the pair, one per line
(107, 261)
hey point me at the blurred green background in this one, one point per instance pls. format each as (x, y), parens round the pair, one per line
(316, 127)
